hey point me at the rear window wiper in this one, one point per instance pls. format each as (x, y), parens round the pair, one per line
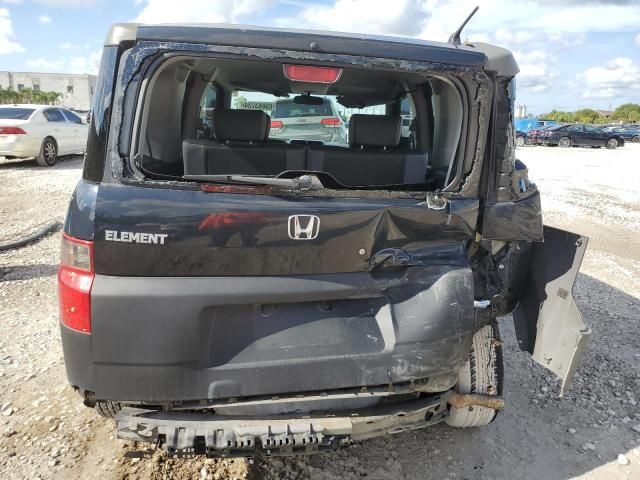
(303, 182)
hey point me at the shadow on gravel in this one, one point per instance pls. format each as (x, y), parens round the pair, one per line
(538, 435)
(27, 272)
(63, 163)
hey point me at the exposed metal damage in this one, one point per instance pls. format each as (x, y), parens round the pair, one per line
(219, 437)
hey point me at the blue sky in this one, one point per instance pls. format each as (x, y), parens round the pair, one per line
(572, 53)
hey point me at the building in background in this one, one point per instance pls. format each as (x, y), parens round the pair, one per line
(521, 111)
(76, 91)
(605, 113)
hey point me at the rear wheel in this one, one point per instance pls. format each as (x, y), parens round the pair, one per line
(612, 143)
(520, 141)
(636, 139)
(482, 374)
(107, 408)
(564, 142)
(48, 153)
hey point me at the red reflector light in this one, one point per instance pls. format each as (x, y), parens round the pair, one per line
(331, 122)
(309, 74)
(276, 124)
(220, 220)
(12, 131)
(75, 279)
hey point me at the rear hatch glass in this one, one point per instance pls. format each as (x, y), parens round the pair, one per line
(359, 130)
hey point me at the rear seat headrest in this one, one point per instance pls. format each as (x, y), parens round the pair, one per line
(240, 125)
(374, 130)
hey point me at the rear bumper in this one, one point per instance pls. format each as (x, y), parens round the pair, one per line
(18, 146)
(189, 434)
(158, 340)
(18, 153)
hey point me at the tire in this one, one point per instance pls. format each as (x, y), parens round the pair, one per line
(612, 143)
(520, 141)
(482, 374)
(564, 142)
(48, 153)
(107, 408)
(636, 139)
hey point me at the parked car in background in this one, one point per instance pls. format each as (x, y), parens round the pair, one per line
(317, 120)
(630, 133)
(83, 114)
(527, 124)
(41, 131)
(579, 135)
(534, 136)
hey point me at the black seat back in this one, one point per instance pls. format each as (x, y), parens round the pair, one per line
(240, 147)
(373, 157)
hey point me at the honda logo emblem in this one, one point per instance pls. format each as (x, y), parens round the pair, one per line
(303, 227)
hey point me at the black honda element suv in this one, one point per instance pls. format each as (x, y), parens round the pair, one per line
(226, 291)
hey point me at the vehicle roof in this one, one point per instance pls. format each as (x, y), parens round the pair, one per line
(32, 106)
(483, 55)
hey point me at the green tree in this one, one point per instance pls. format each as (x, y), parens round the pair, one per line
(586, 115)
(626, 112)
(634, 117)
(559, 116)
(239, 101)
(9, 96)
(50, 98)
(26, 95)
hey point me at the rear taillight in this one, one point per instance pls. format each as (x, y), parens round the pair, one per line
(276, 124)
(75, 279)
(12, 131)
(331, 122)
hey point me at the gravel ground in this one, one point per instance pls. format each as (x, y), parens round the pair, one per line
(45, 432)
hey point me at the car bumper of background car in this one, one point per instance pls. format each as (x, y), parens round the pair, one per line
(311, 135)
(17, 146)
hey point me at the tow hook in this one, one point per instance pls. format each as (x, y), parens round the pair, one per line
(462, 400)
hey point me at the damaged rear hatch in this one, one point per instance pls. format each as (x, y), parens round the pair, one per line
(240, 264)
(232, 282)
(223, 296)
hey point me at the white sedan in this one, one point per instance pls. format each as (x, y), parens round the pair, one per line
(41, 131)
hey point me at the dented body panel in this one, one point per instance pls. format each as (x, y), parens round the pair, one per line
(196, 338)
(242, 234)
(320, 316)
